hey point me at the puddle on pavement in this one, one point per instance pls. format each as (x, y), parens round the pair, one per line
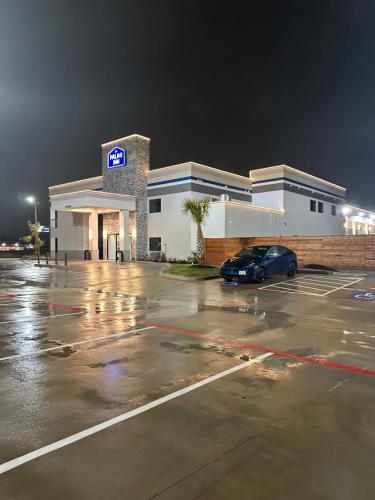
(108, 363)
(186, 349)
(64, 353)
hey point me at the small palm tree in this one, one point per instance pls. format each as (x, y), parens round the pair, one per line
(198, 211)
(34, 237)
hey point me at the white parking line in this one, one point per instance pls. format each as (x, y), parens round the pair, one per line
(291, 291)
(325, 280)
(80, 342)
(298, 284)
(315, 282)
(16, 462)
(344, 286)
(304, 289)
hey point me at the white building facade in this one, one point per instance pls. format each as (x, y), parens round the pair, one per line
(132, 212)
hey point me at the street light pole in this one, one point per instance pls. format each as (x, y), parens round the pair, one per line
(32, 199)
(36, 212)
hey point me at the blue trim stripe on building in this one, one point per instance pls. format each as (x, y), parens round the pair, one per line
(300, 183)
(199, 179)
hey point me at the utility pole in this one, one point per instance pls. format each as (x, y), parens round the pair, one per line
(32, 199)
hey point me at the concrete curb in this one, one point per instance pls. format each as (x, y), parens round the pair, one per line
(339, 272)
(189, 278)
(306, 270)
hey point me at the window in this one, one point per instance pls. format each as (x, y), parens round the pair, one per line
(155, 244)
(253, 251)
(273, 252)
(333, 209)
(283, 250)
(320, 207)
(312, 206)
(56, 218)
(154, 206)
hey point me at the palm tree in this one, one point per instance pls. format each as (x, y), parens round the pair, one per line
(198, 211)
(33, 236)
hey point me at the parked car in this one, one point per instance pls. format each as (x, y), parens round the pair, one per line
(256, 263)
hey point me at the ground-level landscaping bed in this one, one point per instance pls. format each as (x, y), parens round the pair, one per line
(192, 271)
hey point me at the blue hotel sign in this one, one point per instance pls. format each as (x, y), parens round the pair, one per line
(117, 157)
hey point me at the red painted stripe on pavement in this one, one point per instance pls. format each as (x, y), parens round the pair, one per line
(62, 306)
(238, 343)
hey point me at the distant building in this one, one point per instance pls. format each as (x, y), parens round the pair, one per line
(138, 211)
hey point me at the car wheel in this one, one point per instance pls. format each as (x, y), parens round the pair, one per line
(292, 269)
(260, 275)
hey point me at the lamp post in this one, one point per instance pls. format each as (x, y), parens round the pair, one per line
(34, 201)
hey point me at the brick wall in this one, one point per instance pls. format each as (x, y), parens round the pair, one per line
(339, 252)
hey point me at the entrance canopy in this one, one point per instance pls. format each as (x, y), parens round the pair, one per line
(92, 201)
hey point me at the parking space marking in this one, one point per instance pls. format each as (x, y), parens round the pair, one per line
(344, 286)
(314, 282)
(70, 344)
(285, 290)
(16, 462)
(323, 280)
(305, 289)
(305, 286)
(239, 343)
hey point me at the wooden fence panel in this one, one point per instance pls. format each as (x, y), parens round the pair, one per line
(339, 252)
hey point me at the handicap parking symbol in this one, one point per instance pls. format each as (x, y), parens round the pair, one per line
(364, 296)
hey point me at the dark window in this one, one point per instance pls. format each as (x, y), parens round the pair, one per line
(56, 214)
(154, 206)
(320, 207)
(312, 206)
(283, 250)
(333, 209)
(253, 251)
(155, 244)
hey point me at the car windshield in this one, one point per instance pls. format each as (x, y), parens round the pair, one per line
(253, 252)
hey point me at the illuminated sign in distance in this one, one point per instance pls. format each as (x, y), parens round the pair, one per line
(117, 157)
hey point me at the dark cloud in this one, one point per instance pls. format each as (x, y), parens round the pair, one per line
(243, 86)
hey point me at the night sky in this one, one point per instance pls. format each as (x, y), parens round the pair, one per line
(244, 86)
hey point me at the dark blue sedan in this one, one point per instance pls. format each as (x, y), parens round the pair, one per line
(256, 263)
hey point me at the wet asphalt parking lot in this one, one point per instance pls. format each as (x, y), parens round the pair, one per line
(117, 383)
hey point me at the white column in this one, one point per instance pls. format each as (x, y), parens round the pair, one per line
(93, 235)
(124, 233)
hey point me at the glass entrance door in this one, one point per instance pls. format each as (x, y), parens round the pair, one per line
(112, 244)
